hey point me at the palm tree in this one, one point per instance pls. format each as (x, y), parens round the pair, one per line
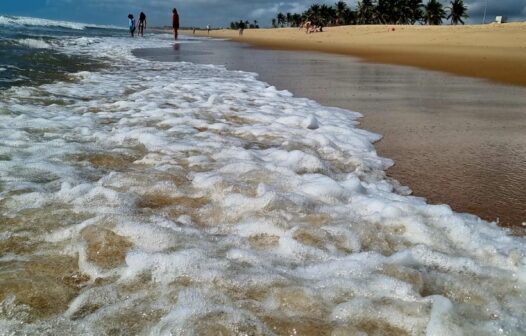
(327, 15)
(349, 16)
(296, 20)
(313, 13)
(366, 12)
(398, 11)
(289, 19)
(434, 13)
(414, 7)
(457, 12)
(274, 25)
(386, 11)
(340, 9)
(401, 12)
(281, 19)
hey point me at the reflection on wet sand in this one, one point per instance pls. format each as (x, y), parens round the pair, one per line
(458, 141)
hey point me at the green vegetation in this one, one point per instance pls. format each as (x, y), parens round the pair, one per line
(434, 13)
(244, 24)
(457, 12)
(376, 12)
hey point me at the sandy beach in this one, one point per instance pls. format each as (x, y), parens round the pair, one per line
(495, 52)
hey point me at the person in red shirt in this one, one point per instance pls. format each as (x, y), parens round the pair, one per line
(175, 22)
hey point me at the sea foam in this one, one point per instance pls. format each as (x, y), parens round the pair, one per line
(197, 200)
(32, 21)
(34, 43)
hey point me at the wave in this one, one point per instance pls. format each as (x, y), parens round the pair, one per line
(34, 43)
(31, 21)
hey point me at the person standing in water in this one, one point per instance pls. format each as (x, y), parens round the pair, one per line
(175, 22)
(131, 24)
(142, 24)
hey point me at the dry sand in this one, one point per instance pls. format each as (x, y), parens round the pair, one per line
(495, 51)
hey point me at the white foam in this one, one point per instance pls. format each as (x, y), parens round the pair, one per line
(34, 43)
(32, 21)
(238, 201)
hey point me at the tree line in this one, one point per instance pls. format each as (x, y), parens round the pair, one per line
(244, 24)
(377, 12)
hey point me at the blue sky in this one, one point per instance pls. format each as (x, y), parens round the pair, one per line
(202, 12)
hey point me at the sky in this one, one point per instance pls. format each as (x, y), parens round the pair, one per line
(217, 13)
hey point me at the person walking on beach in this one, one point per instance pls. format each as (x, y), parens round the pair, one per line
(175, 22)
(131, 24)
(241, 27)
(208, 29)
(142, 24)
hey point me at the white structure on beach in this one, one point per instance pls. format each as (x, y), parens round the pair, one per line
(501, 19)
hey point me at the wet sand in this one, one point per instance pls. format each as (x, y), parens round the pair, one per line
(455, 140)
(495, 52)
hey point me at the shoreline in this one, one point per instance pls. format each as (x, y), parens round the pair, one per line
(492, 52)
(448, 135)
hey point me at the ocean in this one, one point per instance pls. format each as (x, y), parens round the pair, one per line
(173, 198)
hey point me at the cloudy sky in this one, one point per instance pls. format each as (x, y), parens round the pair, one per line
(214, 12)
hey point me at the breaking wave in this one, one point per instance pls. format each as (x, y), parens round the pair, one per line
(30, 21)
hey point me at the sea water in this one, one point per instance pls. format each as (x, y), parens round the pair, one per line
(139, 197)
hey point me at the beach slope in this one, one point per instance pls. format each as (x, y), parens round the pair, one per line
(495, 52)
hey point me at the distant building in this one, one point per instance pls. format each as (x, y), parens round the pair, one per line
(501, 19)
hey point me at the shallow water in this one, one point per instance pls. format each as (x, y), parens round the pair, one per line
(459, 141)
(159, 198)
(29, 52)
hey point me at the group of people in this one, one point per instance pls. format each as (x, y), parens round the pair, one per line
(142, 23)
(311, 28)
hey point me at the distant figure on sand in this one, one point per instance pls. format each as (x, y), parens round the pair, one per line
(131, 24)
(175, 22)
(307, 26)
(208, 29)
(142, 24)
(312, 28)
(241, 27)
